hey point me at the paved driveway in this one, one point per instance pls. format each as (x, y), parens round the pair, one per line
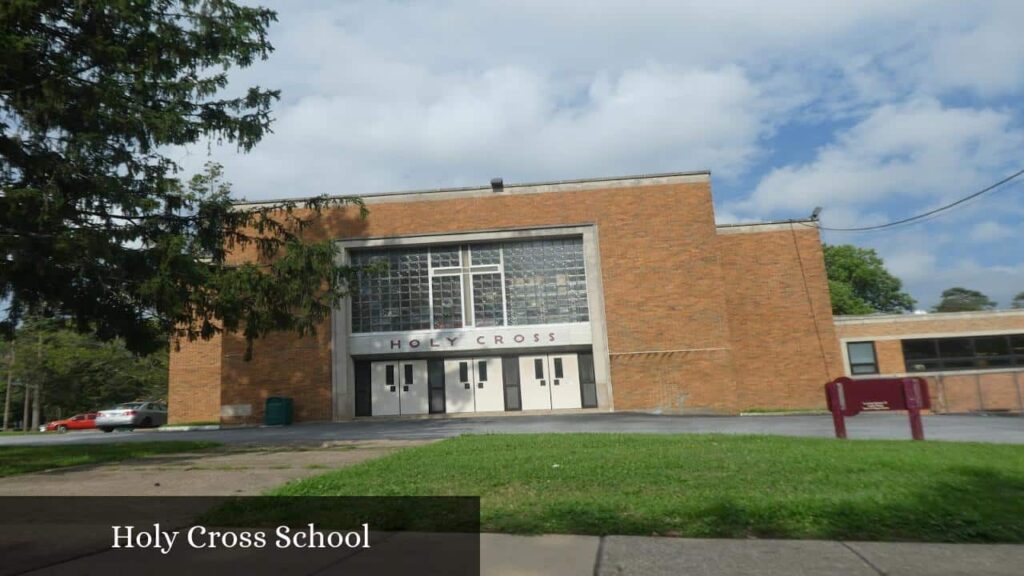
(1004, 429)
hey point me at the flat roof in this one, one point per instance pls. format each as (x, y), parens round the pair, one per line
(549, 186)
(768, 226)
(883, 318)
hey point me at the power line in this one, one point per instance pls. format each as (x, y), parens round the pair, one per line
(930, 212)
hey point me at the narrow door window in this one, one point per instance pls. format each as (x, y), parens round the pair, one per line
(558, 368)
(408, 373)
(389, 374)
(538, 368)
(463, 371)
(481, 370)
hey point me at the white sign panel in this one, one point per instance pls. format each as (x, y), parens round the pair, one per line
(500, 338)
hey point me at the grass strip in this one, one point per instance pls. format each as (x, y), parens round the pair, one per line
(24, 459)
(710, 485)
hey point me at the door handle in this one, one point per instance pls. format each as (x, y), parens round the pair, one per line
(542, 383)
(467, 385)
(555, 382)
(405, 388)
(479, 384)
(392, 388)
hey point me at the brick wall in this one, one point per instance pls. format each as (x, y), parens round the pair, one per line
(780, 316)
(951, 391)
(686, 308)
(194, 381)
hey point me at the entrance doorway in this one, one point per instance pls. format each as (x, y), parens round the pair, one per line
(474, 385)
(550, 382)
(398, 388)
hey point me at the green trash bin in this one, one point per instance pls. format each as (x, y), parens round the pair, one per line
(278, 411)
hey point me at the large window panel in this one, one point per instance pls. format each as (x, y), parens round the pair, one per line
(479, 285)
(395, 298)
(487, 308)
(963, 353)
(545, 282)
(1017, 346)
(447, 301)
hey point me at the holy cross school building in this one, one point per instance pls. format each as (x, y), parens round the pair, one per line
(602, 294)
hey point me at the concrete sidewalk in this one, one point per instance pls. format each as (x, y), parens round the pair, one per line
(566, 555)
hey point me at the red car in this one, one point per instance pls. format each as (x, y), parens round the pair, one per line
(76, 422)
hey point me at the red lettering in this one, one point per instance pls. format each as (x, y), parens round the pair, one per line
(519, 338)
(499, 340)
(536, 337)
(551, 336)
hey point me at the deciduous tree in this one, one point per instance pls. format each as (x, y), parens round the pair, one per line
(860, 284)
(97, 223)
(1018, 301)
(963, 300)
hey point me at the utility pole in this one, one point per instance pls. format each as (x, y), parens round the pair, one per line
(7, 393)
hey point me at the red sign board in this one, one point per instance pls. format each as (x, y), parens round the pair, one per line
(848, 397)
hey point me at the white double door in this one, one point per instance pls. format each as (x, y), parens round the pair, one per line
(550, 381)
(473, 385)
(399, 387)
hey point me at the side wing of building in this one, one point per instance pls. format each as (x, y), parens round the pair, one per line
(973, 361)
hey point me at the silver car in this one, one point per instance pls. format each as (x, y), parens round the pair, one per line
(132, 415)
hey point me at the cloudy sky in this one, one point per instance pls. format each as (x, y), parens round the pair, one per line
(873, 109)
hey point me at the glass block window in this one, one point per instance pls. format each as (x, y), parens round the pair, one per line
(487, 307)
(396, 298)
(545, 282)
(495, 284)
(483, 254)
(447, 301)
(445, 257)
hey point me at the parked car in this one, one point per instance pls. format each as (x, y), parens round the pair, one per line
(132, 415)
(76, 422)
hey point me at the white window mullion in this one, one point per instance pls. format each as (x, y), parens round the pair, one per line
(430, 289)
(501, 270)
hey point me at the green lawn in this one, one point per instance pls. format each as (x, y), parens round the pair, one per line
(711, 485)
(22, 459)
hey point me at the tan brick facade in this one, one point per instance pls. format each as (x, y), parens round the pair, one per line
(967, 391)
(698, 318)
(194, 381)
(780, 315)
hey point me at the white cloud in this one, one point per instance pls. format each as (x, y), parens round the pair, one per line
(990, 231)
(918, 101)
(463, 128)
(919, 151)
(1000, 283)
(441, 93)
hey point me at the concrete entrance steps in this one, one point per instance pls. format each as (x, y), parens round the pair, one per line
(567, 555)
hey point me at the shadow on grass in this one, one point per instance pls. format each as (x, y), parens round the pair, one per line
(389, 513)
(968, 505)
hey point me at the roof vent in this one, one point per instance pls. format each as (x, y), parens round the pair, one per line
(497, 184)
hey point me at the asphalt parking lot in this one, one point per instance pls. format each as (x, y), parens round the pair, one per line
(964, 428)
